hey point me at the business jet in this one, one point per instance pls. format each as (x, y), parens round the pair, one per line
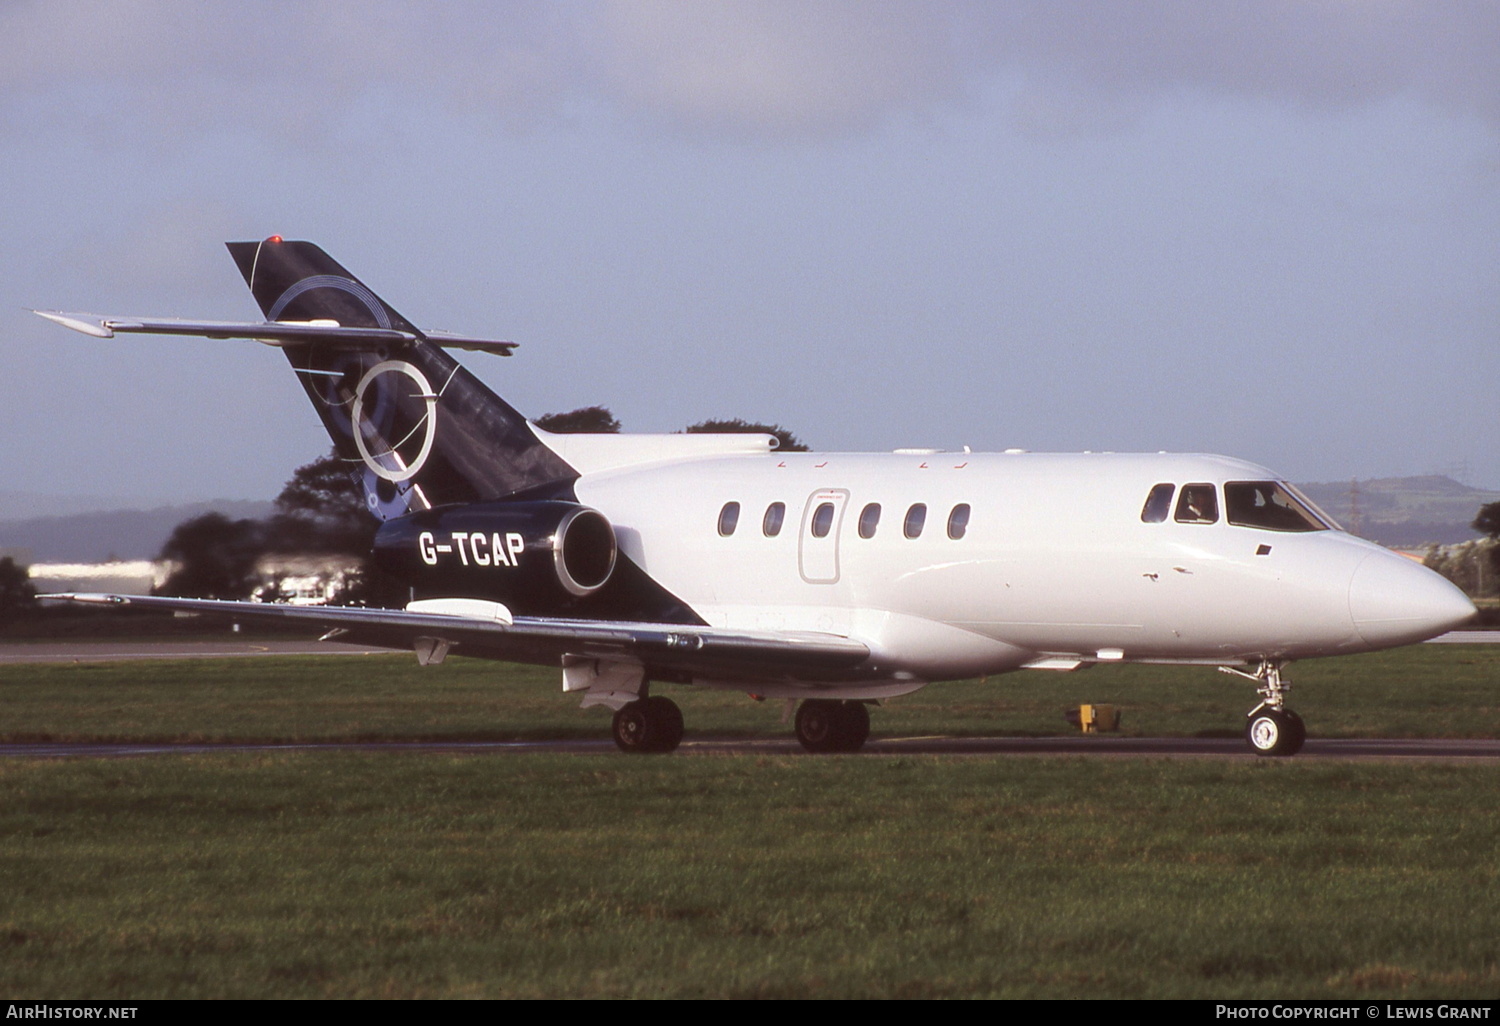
(831, 581)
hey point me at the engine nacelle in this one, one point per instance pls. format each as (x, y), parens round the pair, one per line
(537, 557)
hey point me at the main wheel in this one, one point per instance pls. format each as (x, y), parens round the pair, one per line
(648, 725)
(856, 726)
(1275, 732)
(824, 725)
(667, 720)
(817, 725)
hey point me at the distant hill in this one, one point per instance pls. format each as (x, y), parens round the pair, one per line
(1406, 512)
(114, 534)
(16, 505)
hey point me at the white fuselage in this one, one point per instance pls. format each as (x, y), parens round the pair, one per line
(1055, 562)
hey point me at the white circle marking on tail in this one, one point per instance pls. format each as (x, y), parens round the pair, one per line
(428, 425)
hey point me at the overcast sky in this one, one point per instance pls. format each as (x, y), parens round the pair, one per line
(1267, 229)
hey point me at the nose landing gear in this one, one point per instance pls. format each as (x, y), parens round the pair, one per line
(1271, 728)
(1275, 731)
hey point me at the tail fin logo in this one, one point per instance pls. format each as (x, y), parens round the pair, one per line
(393, 458)
(338, 283)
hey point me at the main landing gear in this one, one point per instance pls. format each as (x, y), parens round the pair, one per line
(1271, 728)
(648, 725)
(825, 725)
(653, 724)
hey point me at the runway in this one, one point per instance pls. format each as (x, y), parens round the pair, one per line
(1466, 638)
(1416, 750)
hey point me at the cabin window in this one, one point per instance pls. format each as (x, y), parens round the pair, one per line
(822, 520)
(916, 517)
(770, 524)
(869, 519)
(729, 518)
(1198, 504)
(958, 521)
(1158, 504)
(1268, 506)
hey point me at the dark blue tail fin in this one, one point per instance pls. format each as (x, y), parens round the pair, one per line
(416, 428)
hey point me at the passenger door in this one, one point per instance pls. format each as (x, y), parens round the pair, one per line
(818, 540)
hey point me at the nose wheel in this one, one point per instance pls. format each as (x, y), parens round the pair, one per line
(648, 725)
(1275, 732)
(824, 725)
(1271, 728)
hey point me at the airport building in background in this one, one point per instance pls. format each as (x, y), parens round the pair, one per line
(302, 580)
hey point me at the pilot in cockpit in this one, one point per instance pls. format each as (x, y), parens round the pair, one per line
(1198, 505)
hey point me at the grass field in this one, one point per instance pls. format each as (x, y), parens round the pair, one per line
(1423, 691)
(384, 875)
(394, 875)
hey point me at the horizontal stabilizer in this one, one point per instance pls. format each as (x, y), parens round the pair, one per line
(276, 333)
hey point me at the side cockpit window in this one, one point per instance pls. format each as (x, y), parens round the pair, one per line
(1269, 506)
(1199, 504)
(1158, 504)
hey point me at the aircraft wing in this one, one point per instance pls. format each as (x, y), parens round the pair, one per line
(686, 649)
(274, 333)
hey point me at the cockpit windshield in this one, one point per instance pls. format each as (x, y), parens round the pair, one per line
(1270, 506)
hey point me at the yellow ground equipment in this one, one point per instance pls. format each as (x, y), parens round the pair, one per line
(1095, 719)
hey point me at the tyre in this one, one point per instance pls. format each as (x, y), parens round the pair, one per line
(631, 728)
(1275, 732)
(648, 725)
(817, 725)
(666, 724)
(856, 726)
(826, 726)
(1297, 731)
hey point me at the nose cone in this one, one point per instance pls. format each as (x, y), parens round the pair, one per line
(1397, 601)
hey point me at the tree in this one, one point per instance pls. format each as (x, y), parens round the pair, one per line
(368, 585)
(322, 509)
(214, 557)
(1487, 522)
(789, 442)
(586, 420)
(17, 595)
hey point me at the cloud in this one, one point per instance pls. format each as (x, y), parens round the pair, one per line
(165, 66)
(1321, 53)
(775, 66)
(750, 67)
